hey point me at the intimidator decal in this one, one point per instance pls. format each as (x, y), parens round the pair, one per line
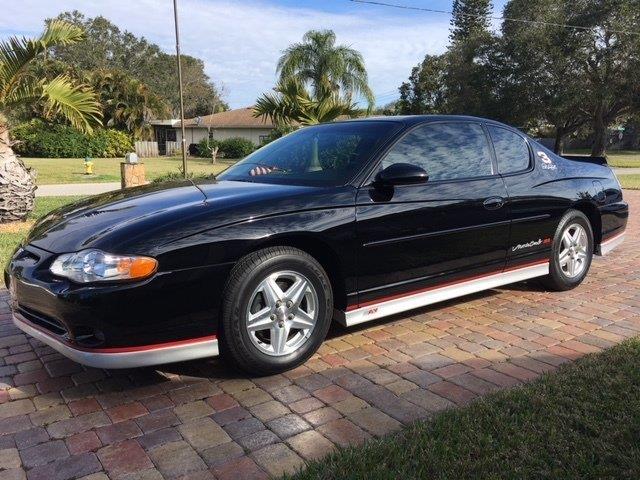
(547, 163)
(531, 244)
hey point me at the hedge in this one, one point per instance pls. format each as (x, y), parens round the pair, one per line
(236, 147)
(40, 139)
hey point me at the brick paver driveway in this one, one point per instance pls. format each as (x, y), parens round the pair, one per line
(59, 420)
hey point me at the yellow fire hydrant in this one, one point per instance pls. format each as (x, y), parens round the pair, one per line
(88, 166)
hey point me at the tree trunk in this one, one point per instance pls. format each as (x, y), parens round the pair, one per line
(558, 145)
(599, 146)
(17, 182)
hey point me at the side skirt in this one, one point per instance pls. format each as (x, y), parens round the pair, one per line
(390, 306)
(610, 243)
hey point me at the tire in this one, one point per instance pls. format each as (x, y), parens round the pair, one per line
(569, 271)
(276, 311)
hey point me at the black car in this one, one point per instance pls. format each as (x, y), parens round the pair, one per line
(350, 221)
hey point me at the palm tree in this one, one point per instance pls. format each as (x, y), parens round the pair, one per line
(330, 69)
(60, 97)
(127, 102)
(291, 103)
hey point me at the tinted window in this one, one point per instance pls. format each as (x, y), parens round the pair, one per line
(322, 155)
(445, 150)
(511, 149)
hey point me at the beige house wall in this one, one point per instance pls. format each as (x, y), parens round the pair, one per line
(194, 135)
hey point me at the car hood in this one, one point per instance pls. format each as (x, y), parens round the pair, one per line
(143, 219)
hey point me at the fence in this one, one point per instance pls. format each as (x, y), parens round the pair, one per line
(147, 149)
(172, 149)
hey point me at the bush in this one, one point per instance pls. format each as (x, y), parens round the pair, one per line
(205, 146)
(236, 147)
(276, 133)
(177, 176)
(40, 139)
(109, 143)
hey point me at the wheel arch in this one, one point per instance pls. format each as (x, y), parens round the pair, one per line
(593, 214)
(319, 249)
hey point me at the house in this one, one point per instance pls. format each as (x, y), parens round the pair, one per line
(218, 126)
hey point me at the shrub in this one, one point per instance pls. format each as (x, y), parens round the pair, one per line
(109, 143)
(276, 133)
(40, 139)
(177, 176)
(205, 146)
(236, 147)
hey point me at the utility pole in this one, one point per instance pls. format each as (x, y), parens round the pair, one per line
(184, 139)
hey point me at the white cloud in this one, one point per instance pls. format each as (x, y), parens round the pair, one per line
(240, 42)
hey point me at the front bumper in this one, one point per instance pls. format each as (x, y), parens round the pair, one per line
(169, 317)
(124, 357)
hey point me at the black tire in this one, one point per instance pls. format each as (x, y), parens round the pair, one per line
(236, 344)
(558, 279)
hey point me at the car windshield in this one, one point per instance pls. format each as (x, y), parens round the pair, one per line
(322, 155)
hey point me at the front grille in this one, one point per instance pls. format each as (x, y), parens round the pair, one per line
(50, 324)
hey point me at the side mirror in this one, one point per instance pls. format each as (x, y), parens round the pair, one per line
(401, 174)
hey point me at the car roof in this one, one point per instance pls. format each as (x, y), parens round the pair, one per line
(415, 119)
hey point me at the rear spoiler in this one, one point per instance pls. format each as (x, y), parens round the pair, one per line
(586, 158)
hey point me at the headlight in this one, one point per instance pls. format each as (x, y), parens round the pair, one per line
(97, 266)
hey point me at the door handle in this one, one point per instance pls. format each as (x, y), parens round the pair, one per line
(493, 203)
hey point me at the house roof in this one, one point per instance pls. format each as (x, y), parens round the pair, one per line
(238, 118)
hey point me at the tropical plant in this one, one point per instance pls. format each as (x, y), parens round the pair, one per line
(331, 70)
(291, 104)
(60, 96)
(128, 104)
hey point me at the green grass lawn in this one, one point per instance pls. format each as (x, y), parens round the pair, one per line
(620, 159)
(12, 233)
(71, 170)
(581, 422)
(630, 181)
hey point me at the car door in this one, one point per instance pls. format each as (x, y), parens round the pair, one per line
(452, 227)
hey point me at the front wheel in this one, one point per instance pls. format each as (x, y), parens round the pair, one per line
(571, 253)
(277, 309)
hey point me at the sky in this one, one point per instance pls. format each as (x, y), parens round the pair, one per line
(240, 41)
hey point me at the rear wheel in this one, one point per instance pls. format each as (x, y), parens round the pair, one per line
(571, 253)
(277, 309)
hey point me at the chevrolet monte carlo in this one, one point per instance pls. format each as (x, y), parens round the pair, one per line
(348, 221)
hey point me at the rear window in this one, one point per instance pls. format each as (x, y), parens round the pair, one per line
(512, 151)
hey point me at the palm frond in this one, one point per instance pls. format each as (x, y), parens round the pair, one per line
(75, 102)
(17, 53)
(61, 33)
(290, 104)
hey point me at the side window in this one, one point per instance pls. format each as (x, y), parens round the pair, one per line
(447, 151)
(511, 149)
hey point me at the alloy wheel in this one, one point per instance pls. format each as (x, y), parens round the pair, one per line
(573, 251)
(282, 313)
